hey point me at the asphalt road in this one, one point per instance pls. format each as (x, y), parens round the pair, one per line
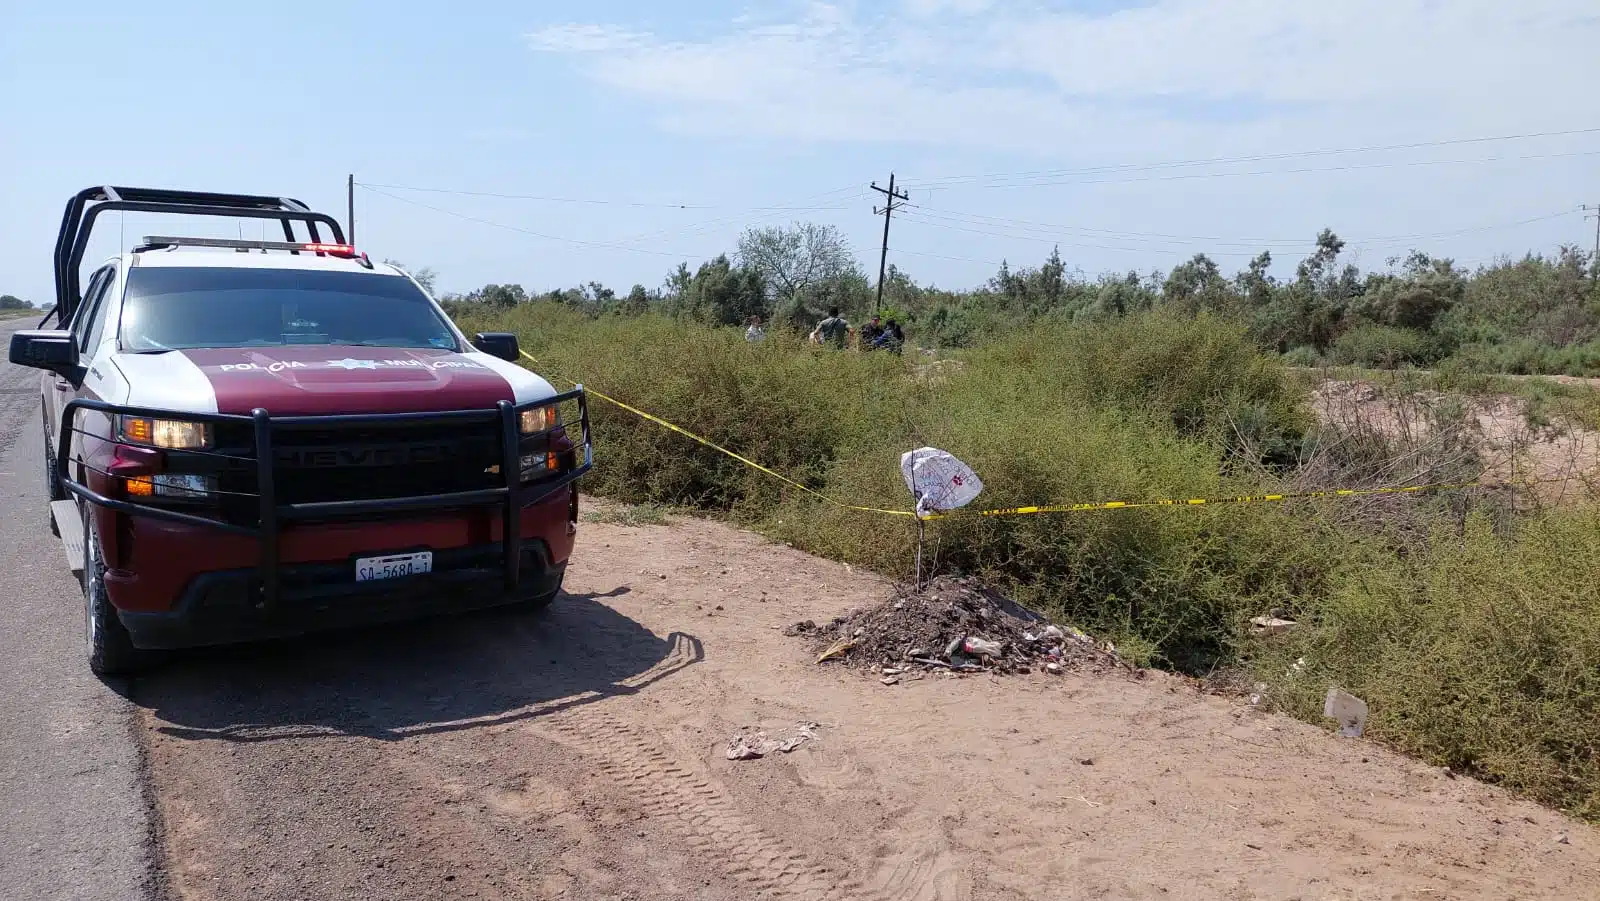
(73, 820)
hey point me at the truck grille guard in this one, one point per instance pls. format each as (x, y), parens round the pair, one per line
(510, 498)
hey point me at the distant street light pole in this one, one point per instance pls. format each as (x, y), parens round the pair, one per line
(350, 199)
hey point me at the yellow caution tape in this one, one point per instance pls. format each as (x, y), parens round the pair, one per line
(1026, 511)
(1203, 501)
(720, 449)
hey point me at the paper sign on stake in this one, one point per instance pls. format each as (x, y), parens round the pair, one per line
(938, 480)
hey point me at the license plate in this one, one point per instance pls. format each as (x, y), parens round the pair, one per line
(393, 566)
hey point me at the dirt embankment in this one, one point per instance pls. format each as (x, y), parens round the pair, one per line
(582, 754)
(1558, 458)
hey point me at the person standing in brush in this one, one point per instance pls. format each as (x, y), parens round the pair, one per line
(834, 331)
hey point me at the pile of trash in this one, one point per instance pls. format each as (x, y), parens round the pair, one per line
(956, 625)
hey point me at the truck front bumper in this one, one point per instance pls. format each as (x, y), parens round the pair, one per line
(224, 607)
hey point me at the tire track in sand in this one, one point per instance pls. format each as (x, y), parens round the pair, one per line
(699, 811)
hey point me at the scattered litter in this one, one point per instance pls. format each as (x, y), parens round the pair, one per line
(955, 625)
(1053, 668)
(1562, 839)
(837, 649)
(1259, 694)
(1271, 625)
(891, 671)
(1087, 761)
(890, 680)
(751, 745)
(1348, 710)
(1297, 667)
(976, 647)
(1091, 803)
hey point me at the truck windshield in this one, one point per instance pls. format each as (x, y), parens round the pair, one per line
(175, 308)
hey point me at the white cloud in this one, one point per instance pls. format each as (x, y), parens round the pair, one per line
(575, 38)
(927, 8)
(1206, 74)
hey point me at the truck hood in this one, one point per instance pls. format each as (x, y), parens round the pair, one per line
(309, 380)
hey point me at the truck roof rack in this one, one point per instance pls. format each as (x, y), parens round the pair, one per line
(78, 221)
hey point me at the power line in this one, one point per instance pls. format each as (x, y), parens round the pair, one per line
(1264, 172)
(593, 201)
(945, 181)
(793, 206)
(526, 231)
(998, 222)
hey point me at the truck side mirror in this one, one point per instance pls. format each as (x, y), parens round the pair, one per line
(56, 351)
(498, 344)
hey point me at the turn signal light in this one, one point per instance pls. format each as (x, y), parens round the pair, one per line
(141, 486)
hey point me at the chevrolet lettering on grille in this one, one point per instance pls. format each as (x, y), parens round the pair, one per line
(406, 454)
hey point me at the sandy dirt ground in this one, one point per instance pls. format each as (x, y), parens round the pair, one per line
(580, 754)
(1560, 460)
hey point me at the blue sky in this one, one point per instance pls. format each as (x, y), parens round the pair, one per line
(689, 120)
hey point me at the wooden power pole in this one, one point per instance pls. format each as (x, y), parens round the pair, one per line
(889, 206)
(1594, 211)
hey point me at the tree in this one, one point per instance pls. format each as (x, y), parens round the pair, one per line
(503, 296)
(1197, 285)
(12, 302)
(637, 303)
(804, 266)
(719, 292)
(425, 276)
(1256, 282)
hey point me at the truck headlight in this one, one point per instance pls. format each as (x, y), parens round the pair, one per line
(178, 485)
(173, 434)
(539, 418)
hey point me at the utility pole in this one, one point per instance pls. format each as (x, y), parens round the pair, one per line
(1594, 212)
(889, 206)
(350, 199)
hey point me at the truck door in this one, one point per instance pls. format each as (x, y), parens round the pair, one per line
(89, 314)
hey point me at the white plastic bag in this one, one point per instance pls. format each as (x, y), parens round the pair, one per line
(1348, 710)
(938, 480)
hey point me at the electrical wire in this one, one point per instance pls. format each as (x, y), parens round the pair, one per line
(1046, 228)
(527, 231)
(951, 180)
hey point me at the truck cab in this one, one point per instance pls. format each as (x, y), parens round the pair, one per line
(252, 439)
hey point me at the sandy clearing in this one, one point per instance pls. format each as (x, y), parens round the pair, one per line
(580, 755)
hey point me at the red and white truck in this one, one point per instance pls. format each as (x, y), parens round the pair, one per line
(249, 439)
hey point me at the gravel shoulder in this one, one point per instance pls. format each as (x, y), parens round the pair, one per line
(581, 754)
(72, 814)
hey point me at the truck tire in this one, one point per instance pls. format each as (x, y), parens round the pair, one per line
(539, 602)
(110, 650)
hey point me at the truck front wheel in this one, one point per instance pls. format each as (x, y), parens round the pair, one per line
(111, 651)
(538, 602)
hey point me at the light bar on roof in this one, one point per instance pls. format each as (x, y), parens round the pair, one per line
(336, 250)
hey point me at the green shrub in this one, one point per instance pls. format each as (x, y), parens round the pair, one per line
(1303, 356)
(1481, 653)
(1381, 347)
